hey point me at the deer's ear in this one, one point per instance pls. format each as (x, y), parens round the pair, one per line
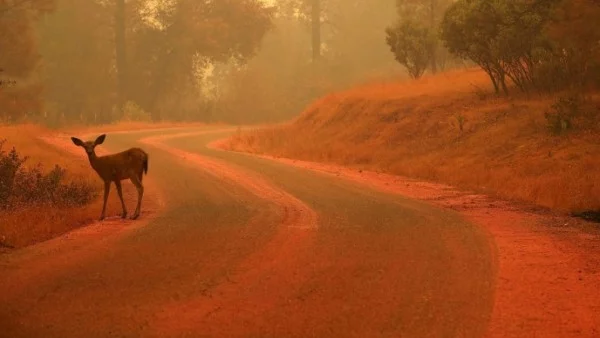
(77, 141)
(100, 139)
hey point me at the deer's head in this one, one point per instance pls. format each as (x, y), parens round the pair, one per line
(89, 145)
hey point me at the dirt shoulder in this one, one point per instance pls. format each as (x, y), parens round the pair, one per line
(548, 265)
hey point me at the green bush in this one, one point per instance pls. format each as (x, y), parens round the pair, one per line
(563, 114)
(21, 187)
(412, 45)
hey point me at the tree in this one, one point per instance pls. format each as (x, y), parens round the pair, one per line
(504, 38)
(168, 56)
(316, 29)
(121, 54)
(350, 43)
(310, 11)
(428, 15)
(411, 45)
(282, 78)
(78, 66)
(575, 36)
(19, 57)
(94, 63)
(17, 36)
(468, 31)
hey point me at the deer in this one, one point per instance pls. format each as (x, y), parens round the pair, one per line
(130, 164)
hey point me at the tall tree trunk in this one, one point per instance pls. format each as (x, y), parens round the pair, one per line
(121, 55)
(434, 42)
(316, 29)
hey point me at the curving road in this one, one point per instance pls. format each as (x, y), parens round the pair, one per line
(247, 247)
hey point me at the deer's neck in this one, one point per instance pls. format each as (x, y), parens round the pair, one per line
(94, 161)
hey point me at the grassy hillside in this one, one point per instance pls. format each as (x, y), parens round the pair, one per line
(413, 129)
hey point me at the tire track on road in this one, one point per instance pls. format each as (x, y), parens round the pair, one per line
(255, 286)
(296, 213)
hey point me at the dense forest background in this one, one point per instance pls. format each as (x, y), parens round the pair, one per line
(247, 61)
(98, 61)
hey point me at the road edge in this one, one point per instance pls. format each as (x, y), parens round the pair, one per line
(541, 258)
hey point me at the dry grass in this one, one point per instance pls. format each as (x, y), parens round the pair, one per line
(37, 224)
(413, 129)
(24, 227)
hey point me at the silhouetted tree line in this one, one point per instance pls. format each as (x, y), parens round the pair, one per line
(313, 48)
(100, 61)
(84, 61)
(19, 57)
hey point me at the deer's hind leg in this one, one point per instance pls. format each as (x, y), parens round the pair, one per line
(120, 192)
(140, 189)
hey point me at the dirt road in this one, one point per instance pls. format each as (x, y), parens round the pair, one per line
(242, 246)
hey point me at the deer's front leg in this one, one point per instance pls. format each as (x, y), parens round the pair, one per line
(106, 190)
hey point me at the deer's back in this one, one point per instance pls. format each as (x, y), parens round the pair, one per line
(121, 165)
